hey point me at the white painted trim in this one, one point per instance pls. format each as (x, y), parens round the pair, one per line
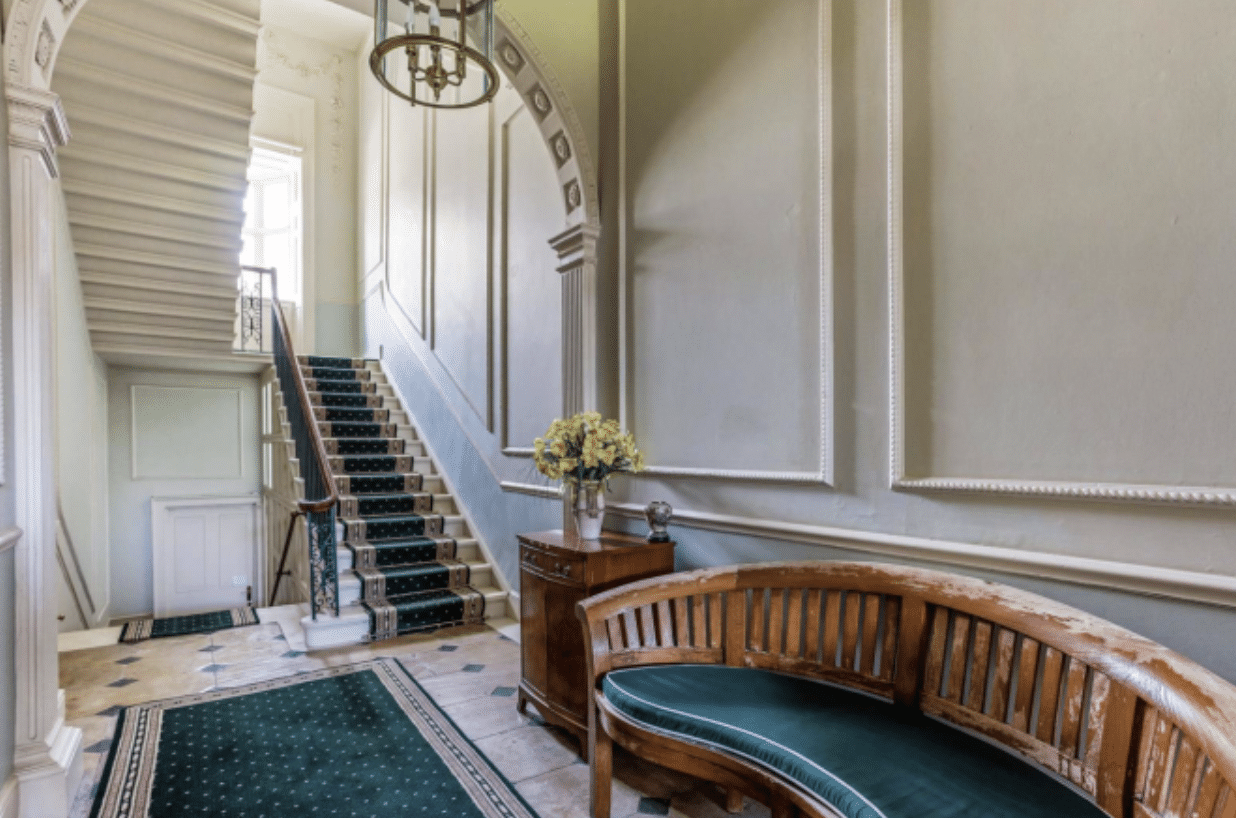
(1221, 496)
(223, 272)
(513, 610)
(160, 133)
(138, 86)
(161, 507)
(219, 16)
(461, 508)
(1190, 586)
(9, 538)
(220, 292)
(159, 170)
(155, 231)
(147, 44)
(532, 489)
(8, 798)
(825, 474)
(150, 201)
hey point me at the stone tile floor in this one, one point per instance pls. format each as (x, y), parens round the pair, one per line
(471, 673)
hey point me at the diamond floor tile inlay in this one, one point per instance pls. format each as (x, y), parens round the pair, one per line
(211, 649)
(449, 648)
(654, 806)
(99, 747)
(292, 654)
(212, 668)
(128, 660)
(122, 682)
(503, 691)
(473, 668)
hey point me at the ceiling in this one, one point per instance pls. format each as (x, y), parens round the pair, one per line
(343, 25)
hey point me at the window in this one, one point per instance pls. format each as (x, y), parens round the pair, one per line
(273, 219)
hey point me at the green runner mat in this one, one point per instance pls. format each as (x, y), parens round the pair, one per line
(358, 740)
(141, 629)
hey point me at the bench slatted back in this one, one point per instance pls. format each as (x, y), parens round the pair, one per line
(846, 635)
(1016, 690)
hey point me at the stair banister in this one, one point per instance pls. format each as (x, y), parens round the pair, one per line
(321, 499)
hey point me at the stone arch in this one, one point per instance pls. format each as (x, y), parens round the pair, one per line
(524, 65)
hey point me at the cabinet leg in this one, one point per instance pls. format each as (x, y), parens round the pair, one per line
(733, 801)
(521, 704)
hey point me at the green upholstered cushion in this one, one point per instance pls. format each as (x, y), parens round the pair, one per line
(864, 756)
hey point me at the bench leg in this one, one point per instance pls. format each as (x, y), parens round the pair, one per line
(601, 759)
(733, 801)
(782, 807)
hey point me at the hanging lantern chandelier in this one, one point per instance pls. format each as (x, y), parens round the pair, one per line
(428, 60)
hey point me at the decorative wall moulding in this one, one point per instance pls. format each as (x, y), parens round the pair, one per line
(825, 475)
(1187, 586)
(511, 57)
(1220, 496)
(332, 69)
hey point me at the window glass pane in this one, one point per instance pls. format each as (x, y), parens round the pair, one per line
(277, 253)
(276, 210)
(248, 251)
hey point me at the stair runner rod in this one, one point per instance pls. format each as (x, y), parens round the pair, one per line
(324, 561)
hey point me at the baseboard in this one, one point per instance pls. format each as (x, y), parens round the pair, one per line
(8, 798)
(512, 605)
(1166, 583)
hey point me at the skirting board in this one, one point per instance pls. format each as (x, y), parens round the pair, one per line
(1191, 586)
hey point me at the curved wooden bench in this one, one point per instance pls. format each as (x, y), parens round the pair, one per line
(1139, 730)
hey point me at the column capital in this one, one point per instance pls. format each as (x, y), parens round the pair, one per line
(37, 123)
(576, 246)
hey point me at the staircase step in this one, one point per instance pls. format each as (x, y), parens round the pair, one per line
(466, 550)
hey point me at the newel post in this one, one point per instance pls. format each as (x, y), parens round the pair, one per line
(47, 754)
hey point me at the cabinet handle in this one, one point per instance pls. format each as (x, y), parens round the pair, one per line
(563, 569)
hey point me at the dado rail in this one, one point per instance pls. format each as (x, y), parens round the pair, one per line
(860, 690)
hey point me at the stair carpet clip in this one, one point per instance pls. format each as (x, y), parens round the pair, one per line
(411, 580)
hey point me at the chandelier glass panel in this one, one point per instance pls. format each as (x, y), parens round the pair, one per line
(437, 54)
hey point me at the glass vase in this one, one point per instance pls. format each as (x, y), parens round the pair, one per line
(589, 508)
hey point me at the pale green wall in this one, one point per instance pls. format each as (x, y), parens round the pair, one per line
(1067, 268)
(189, 439)
(81, 425)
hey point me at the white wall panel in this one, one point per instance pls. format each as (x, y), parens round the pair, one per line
(407, 270)
(186, 433)
(725, 247)
(463, 236)
(529, 211)
(1067, 244)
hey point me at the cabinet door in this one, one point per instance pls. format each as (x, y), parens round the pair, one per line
(568, 684)
(532, 627)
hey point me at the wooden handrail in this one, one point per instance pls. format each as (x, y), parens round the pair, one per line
(328, 480)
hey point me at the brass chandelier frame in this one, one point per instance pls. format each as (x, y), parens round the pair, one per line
(434, 75)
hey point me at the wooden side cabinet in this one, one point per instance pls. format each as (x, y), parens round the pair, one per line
(557, 570)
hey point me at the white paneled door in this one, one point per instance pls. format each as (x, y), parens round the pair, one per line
(205, 553)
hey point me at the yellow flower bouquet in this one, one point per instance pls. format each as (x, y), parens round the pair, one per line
(586, 448)
(582, 452)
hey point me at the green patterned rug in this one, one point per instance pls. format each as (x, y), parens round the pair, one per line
(142, 629)
(362, 740)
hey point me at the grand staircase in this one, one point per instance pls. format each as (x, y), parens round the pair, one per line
(407, 562)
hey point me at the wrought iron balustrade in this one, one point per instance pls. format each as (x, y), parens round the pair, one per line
(321, 500)
(254, 330)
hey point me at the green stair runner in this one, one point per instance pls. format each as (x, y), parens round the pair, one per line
(410, 578)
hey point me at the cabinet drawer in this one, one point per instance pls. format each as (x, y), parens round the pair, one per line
(553, 567)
